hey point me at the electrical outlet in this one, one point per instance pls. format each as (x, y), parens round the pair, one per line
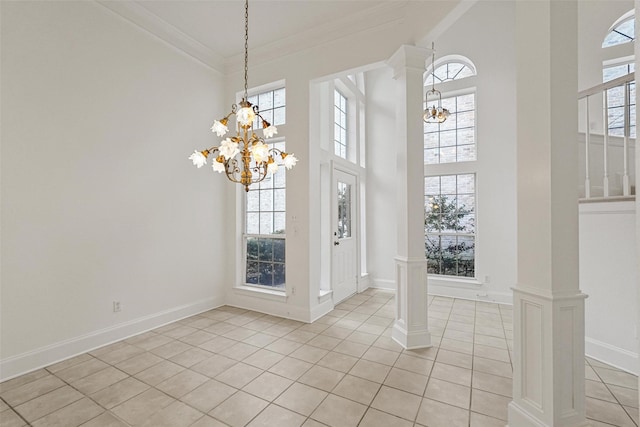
(117, 307)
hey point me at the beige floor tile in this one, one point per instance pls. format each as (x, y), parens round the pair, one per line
(493, 367)
(290, 368)
(351, 348)
(101, 379)
(208, 395)
(337, 332)
(454, 358)
(182, 383)
(379, 355)
(217, 344)
(371, 371)
(197, 338)
(81, 370)
(176, 414)
(9, 418)
(208, 421)
(371, 329)
(279, 330)
(489, 404)
(300, 336)
(458, 346)
(626, 396)
(437, 414)
(301, 398)
(191, 357)
(3, 406)
(446, 392)
(362, 338)
(239, 409)
(170, 349)
(480, 420)
(320, 377)
(43, 385)
(159, 372)
(418, 365)
(590, 374)
(239, 334)
(239, 351)
(106, 419)
(22, 380)
(458, 335)
(48, 403)
(388, 343)
(492, 383)
(138, 409)
(69, 362)
(119, 392)
(283, 346)
(607, 412)
(491, 353)
(324, 342)
(153, 342)
(309, 353)
(490, 341)
(239, 375)
(598, 390)
(451, 373)
(260, 340)
(263, 359)
(357, 389)
(120, 354)
(213, 366)
(220, 328)
(399, 403)
(139, 363)
(73, 415)
(268, 386)
(338, 361)
(406, 381)
(633, 413)
(616, 377)
(337, 411)
(109, 348)
(375, 418)
(275, 415)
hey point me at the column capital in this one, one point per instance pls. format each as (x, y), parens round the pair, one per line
(408, 56)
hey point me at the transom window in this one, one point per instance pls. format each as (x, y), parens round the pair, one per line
(449, 71)
(449, 223)
(265, 228)
(622, 32)
(272, 107)
(340, 124)
(454, 140)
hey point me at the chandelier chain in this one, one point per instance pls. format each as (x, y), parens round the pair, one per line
(246, 48)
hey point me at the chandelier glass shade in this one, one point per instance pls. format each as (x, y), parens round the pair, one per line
(244, 158)
(434, 114)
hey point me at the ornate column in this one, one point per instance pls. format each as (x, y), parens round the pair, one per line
(548, 377)
(411, 327)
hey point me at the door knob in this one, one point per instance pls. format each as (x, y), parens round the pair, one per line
(336, 243)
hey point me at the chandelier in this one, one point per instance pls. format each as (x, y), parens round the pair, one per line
(434, 114)
(245, 158)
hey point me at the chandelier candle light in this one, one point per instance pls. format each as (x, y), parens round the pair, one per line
(256, 159)
(434, 114)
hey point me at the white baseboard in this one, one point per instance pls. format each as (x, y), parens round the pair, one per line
(388, 285)
(612, 355)
(35, 359)
(470, 294)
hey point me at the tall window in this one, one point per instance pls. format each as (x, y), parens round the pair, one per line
(450, 196)
(340, 124)
(450, 202)
(265, 208)
(623, 31)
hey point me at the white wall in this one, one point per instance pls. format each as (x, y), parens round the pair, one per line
(608, 274)
(99, 201)
(491, 49)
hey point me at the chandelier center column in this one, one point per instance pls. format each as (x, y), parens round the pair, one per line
(411, 326)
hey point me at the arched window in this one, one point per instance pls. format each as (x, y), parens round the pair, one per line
(622, 31)
(450, 172)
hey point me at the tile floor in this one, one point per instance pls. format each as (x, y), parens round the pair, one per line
(236, 367)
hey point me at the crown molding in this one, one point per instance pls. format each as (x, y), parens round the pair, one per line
(389, 14)
(150, 22)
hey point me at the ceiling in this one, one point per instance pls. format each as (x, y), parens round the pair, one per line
(213, 30)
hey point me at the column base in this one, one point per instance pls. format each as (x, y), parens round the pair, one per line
(410, 340)
(519, 417)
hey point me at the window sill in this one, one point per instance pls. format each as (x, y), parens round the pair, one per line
(324, 295)
(453, 281)
(270, 294)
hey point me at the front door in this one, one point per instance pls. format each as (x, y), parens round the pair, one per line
(345, 260)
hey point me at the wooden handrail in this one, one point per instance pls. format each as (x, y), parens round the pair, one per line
(608, 85)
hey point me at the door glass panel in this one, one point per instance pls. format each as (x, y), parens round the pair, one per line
(344, 210)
